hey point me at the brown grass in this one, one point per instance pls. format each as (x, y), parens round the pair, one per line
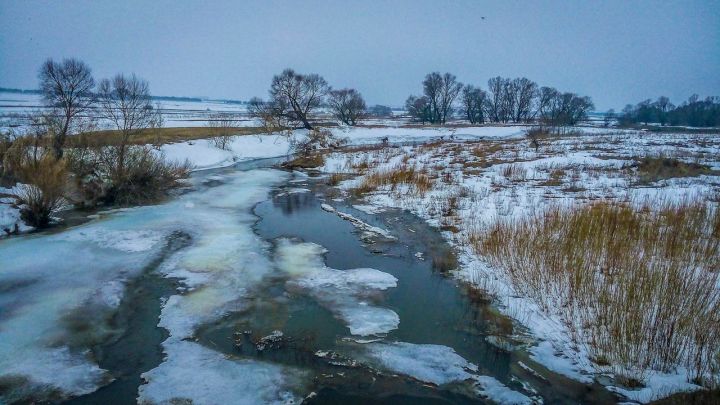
(418, 180)
(43, 195)
(652, 169)
(638, 286)
(155, 136)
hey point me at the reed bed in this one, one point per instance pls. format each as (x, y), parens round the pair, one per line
(637, 285)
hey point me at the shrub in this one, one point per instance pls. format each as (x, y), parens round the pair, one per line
(146, 177)
(43, 196)
(316, 139)
(652, 169)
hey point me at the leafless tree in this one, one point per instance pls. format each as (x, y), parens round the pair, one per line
(347, 105)
(124, 101)
(496, 87)
(547, 103)
(609, 117)
(524, 93)
(419, 108)
(474, 104)
(223, 125)
(558, 109)
(67, 89)
(441, 91)
(380, 111)
(293, 97)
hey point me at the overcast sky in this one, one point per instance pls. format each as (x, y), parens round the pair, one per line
(617, 52)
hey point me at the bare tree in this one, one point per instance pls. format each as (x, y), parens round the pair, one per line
(124, 101)
(347, 105)
(496, 87)
(67, 89)
(525, 93)
(380, 111)
(293, 97)
(609, 117)
(441, 91)
(547, 101)
(559, 109)
(223, 125)
(474, 104)
(419, 108)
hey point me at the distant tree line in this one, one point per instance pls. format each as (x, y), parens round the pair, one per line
(694, 112)
(506, 100)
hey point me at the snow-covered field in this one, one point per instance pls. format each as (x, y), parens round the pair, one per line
(176, 113)
(474, 184)
(203, 154)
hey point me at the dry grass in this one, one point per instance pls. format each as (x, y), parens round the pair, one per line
(306, 162)
(405, 175)
(652, 169)
(43, 195)
(514, 172)
(335, 178)
(155, 136)
(638, 286)
(147, 177)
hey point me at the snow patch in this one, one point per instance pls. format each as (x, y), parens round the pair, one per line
(203, 376)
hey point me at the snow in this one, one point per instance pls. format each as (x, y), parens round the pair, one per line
(203, 376)
(658, 385)
(9, 214)
(84, 269)
(72, 275)
(358, 223)
(344, 292)
(429, 363)
(499, 393)
(362, 135)
(202, 154)
(123, 240)
(599, 168)
(222, 267)
(439, 365)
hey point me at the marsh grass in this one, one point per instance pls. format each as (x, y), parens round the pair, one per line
(419, 181)
(514, 172)
(639, 285)
(651, 169)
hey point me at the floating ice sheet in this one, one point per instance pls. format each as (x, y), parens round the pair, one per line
(344, 292)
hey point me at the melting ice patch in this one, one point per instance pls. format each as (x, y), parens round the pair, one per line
(220, 270)
(344, 292)
(124, 240)
(439, 365)
(430, 363)
(45, 278)
(198, 375)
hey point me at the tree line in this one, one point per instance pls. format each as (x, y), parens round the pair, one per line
(694, 112)
(294, 99)
(506, 100)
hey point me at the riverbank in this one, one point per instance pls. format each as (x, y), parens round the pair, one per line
(462, 189)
